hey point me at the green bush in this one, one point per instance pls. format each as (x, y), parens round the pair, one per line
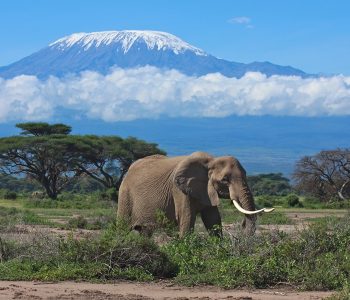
(293, 200)
(9, 195)
(70, 201)
(9, 217)
(274, 218)
(265, 201)
(112, 194)
(109, 195)
(315, 203)
(273, 184)
(78, 222)
(316, 259)
(115, 254)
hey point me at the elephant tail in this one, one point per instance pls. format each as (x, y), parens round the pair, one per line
(124, 211)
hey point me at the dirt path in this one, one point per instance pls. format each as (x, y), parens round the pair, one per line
(140, 291)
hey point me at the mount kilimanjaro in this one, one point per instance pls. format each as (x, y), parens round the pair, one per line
(100, 51)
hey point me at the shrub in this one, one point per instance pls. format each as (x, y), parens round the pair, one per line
(9, 195)
(115, 254)
(109, 194)
(265, 201)
(78, 222)
(70, 201)
(316, 259)
(112, 194)
(293, 200)
(274, 218)
(269, 184)
(9, 217)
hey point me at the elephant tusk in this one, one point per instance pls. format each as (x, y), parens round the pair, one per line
(250, 212)
(269, 209)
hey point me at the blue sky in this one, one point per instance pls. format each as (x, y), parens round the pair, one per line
(311, 35)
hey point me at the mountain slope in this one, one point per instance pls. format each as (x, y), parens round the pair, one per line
(99, 51)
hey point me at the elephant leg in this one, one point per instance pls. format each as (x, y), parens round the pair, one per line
(212, 220)
(185, 215)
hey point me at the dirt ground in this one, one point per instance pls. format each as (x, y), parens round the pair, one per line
(141, 291)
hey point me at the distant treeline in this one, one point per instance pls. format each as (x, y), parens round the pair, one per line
(48, 157)
(273, 184)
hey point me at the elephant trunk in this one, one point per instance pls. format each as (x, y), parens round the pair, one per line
(243, 200)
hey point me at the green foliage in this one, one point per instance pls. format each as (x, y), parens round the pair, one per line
(78, 222)
(317, 258)
(106, 159)
(230, 215)
(289, 200)
(84, 185)
(46, 159)
(274, 218)
(315, 203)
(344, 294)
(324, 175)
(40, 129)
(266, 201)
(109, 194)
(293, 201)
(164, 224)
(269, 184)
(9, 195)
(53, 158)
(116, 254)
(16, 184)
(71, 201)
(9, 217)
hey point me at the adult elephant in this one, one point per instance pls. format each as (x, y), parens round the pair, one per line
(182, 187)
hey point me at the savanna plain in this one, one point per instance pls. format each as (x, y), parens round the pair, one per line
(73, 248)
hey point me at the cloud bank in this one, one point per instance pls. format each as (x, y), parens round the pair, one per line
(148, 92)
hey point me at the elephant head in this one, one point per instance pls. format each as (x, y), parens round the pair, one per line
(206, 179)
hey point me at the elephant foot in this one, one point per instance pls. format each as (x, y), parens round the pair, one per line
(143, 230)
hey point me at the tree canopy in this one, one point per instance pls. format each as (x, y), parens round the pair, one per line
(47, 160)
(325, 175)
(40, 129)
(269, 184)
(107, 158)
(52, 157)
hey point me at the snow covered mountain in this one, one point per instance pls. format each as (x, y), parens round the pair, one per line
(99, 51)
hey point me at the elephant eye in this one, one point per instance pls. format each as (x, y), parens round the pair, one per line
(225, 179)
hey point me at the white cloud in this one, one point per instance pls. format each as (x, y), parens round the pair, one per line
(240, 20)
(148, 92)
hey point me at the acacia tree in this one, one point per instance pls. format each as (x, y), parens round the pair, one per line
(108, 158)
(52, 157)
(44, 159)
(40, 155)
(43, 129)
(324, 175)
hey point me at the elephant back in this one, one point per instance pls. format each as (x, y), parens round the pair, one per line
(153, 166)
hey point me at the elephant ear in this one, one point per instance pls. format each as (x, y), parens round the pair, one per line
(191, 177)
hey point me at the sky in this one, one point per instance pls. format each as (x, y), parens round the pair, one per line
(313, 36)
(310, 35)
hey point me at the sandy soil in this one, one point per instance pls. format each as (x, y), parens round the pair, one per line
(140, 291)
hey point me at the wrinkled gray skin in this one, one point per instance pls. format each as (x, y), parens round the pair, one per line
(182, 187)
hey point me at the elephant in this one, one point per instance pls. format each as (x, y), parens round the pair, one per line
(182, 187)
